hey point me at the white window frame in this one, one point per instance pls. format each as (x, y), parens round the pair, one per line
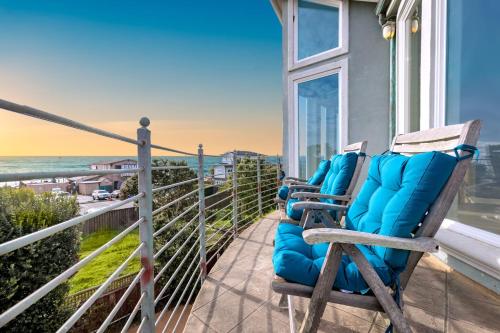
(403, 66)
(339, 67)
(473, 246)
(293, 61)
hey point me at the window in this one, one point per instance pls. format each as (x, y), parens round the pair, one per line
(318, 114)
(318, 30)
(319, 100)
(472, 92)
(408, 66)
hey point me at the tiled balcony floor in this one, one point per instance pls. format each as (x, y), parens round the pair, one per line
(237, 296)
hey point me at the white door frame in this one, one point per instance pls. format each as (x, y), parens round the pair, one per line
(340, 67)
(403, 70)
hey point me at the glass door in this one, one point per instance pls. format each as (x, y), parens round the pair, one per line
(472, 92)
(318, 121)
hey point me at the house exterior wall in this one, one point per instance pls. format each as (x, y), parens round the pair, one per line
(368, 81)
(88, 188)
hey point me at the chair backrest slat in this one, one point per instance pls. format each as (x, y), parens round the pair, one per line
(443, 139)
(468, 134)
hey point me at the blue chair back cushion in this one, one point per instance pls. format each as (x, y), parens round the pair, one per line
(316, 179)
(320, 173)
(393, 201)
(336, 181)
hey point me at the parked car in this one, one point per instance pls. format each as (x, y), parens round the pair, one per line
(115, 194)
(62, 194)
(56, 190)
(100, 195)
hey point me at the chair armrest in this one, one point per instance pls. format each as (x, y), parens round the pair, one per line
(322, 235)
(309, 195)
(296, 179)
(318, 205)
(294, 182)
(304, 187)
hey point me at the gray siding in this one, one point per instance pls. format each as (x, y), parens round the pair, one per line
(368, 79)
(368, 82)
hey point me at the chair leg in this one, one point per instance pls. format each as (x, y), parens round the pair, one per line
(305, 218)
(322, 289)
(377, 286)
(291, 314)
(283, 302)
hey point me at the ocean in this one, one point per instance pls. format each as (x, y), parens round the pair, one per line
(16, 164)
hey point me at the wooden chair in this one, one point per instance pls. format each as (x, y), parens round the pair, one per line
(313, 191)
(381, 299)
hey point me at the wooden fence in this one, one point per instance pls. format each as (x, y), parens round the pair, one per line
(117, 219)
(78, 298)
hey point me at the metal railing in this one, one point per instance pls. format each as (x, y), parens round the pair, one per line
(178, 222)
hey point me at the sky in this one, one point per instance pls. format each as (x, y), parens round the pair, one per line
(203, 72)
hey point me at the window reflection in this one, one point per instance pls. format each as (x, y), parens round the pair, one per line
(473, 86)
(318, 112)
(318, 28)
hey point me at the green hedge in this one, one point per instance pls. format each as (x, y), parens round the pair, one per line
(26, 269)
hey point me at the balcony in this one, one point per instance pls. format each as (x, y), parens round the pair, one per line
(237, 296)
(205, 258)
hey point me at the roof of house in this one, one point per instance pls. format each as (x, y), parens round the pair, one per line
(115, 162)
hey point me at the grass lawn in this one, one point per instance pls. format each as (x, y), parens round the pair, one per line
(99, 269)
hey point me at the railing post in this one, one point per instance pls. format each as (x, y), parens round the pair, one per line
(201, 217)
(145, 186)
(278, 171)
(259, 187)
(235, 195)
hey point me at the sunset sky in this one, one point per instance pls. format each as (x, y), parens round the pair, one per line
(203, 71)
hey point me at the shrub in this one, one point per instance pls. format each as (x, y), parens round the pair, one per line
(28, 268)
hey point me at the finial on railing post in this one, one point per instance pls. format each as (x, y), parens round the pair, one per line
(259, 186)
(201, 215)
(145, 186)
(235, 195)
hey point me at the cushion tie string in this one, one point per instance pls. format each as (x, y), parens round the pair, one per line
(472, 150)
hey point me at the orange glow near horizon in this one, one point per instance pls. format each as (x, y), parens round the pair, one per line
(25, 136)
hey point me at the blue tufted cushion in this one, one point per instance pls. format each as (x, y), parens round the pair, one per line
(316, 179)
(395, 197)
(283, 192)
(393, 201)
(299, 262)
(320, 173)
(336, 181)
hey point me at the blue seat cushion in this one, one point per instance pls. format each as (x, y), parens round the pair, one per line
(296, 261)
(283, 192)
(336, 181)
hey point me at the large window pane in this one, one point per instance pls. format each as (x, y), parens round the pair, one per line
(318, 111)
(473, 91)
(318, 28)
